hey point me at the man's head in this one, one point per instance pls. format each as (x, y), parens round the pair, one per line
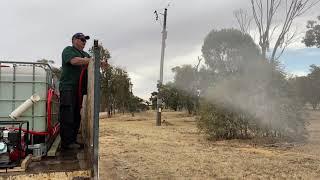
(79, 40)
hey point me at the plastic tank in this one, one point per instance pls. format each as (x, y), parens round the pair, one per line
(18, 81)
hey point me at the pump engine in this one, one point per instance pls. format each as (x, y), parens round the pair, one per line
(12, 146)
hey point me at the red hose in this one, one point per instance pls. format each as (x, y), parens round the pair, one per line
(32, 132)
(50, 131)
(80, 84)
(50, 94)
(55, 130)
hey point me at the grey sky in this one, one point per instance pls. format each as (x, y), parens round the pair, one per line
(36, 29)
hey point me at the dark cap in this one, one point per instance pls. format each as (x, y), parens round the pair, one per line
(80, 35)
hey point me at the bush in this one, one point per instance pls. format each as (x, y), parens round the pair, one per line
(219, 122)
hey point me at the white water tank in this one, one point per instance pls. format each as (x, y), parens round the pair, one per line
(17, 83)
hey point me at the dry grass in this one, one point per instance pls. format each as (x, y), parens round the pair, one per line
(134, 148)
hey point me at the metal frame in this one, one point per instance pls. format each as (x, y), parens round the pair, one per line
(96, 110)
(48, 83)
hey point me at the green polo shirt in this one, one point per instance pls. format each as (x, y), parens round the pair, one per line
(70, 74)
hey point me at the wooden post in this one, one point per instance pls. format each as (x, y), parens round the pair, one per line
(91, 108)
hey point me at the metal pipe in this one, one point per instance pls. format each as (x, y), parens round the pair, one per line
(96, 110)
(38, 82)
(30, 63)
(33, 92)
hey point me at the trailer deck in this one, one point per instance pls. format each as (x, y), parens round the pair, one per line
(66, 161)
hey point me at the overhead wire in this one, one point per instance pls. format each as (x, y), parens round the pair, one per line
(156, 12)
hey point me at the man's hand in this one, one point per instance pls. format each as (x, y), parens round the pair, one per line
(80, 61)
(87, 60)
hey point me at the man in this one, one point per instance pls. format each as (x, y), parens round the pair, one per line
(74, 59)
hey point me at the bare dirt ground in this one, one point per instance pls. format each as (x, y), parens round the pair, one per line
(134, 148)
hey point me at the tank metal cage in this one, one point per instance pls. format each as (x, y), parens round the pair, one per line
(19, 81)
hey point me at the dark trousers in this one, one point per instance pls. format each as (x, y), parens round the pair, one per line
(70, 117)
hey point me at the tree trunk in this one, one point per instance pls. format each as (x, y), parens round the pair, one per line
(122, 108)
(264, 52)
